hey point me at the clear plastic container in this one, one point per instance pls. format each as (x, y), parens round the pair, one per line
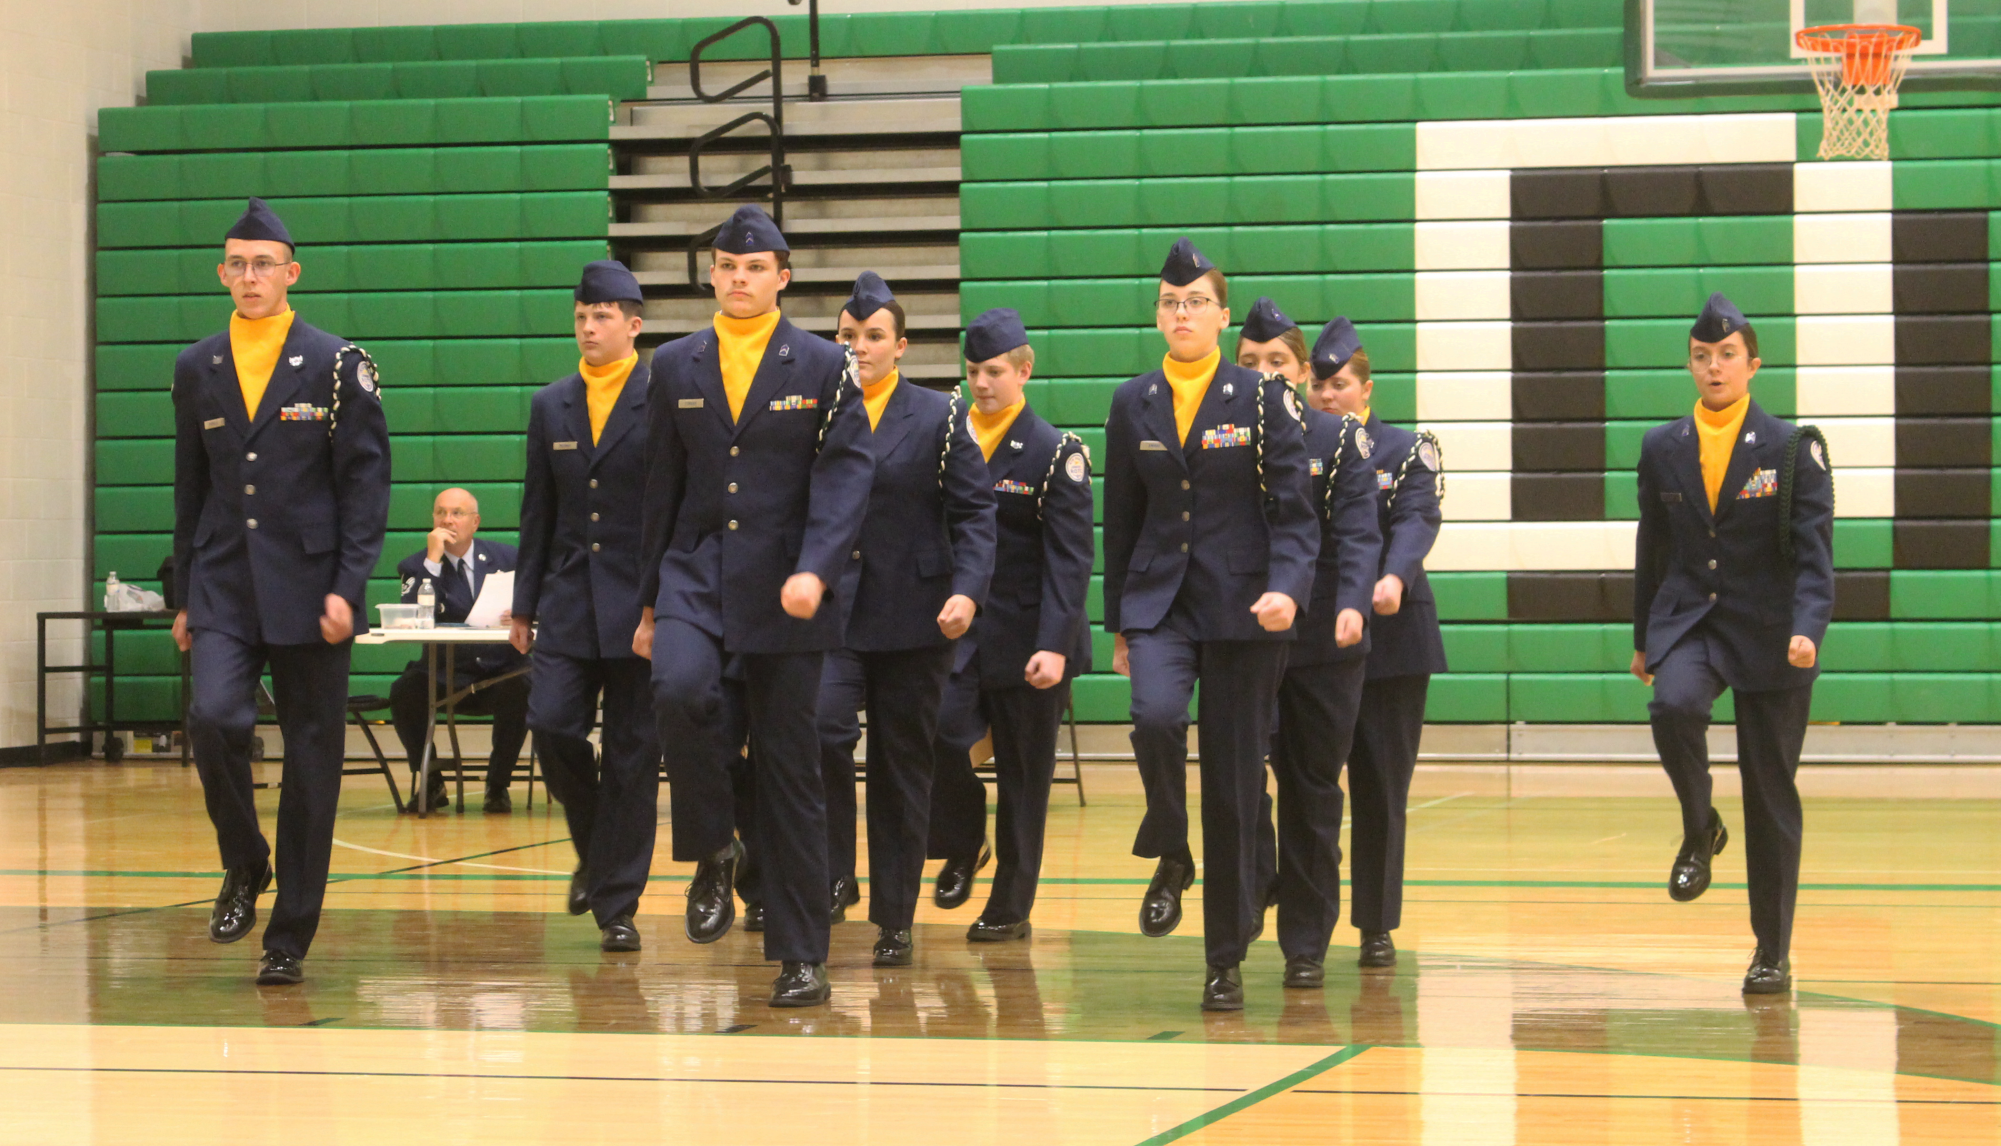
(405, 616)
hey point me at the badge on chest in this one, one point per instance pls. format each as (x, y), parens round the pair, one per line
(302, 412)
(1009, 485)
(795, 402)
(1385, 479)
(1226, 436)
(1317, 465)
(1764, 483)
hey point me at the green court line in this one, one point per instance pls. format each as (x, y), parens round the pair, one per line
(1245, 1101)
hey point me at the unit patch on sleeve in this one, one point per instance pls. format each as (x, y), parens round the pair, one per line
(1074, 468)
(1427, 455)
(1364, 444)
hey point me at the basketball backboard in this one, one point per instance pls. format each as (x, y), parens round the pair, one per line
(1719, 47)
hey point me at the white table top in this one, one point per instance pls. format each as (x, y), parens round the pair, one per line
(443, 635)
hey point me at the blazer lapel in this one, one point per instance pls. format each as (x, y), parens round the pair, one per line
(286, 381)
(1225, 403)
(577, 415)
(774, 373)
(1157, 415)
(708, 378)
(1687, 467)
(897, 421)
(1743, 457)
(627, 412)
(222, 376)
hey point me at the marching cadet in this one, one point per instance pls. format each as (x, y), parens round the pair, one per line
(576, 594)
(281, 499)
(1405, 644)
(1733, 587)
(1013, 671)
(1321, 694)
(757, 482)
(913, 583)
(1210, 544)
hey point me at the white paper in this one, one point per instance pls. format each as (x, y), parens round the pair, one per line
(496, 596)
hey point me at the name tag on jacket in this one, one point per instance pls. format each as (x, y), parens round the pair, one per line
(690, 403)
(562, 445)
(1225, 436)
(1671, 498)
(1764, 483)
(1150, 444)
(795, 402)
(213, 424)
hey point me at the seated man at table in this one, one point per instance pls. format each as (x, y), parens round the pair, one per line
(456, 564)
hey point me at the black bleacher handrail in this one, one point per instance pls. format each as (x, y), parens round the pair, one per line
(780, 172)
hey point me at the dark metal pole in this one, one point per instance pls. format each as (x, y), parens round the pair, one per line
(816, 80)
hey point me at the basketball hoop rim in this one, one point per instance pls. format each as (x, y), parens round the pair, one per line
(1849, 39)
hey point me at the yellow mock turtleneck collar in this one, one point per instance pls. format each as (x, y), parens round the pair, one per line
(1190, 381)
(989, 429)
(1364, 416)
(602, 386)
(740, 344)
(1716, 434)
(875, 397)
(255, 344)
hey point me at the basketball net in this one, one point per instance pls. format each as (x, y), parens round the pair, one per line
(1857, 69)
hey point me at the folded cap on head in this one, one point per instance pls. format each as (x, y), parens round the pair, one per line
(1184, 264)
(750, 231)
(871, 294)
(1266, 322)
(994, 333)
(607, 280)
(1719, 319)
(259, 223)
(1337, 343)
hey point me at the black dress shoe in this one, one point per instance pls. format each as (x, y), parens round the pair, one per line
(712, 895)
(753, 917)
(236, 907)
(1160, 911)
(1223, 990)
(845, 895)
(619, 935)
(580, 892)
(1378, 950)
(279, 970)
(1767, 977)
(440, 798)
(800, 985)
(983, 931)
(955, 879)
(892, 948)
(497, 800)
(1690, 876)
(1305, 973)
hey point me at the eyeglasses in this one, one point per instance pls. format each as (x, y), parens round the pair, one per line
(1194, 306)
(1702, 357)
(452, 514)
(259, 268)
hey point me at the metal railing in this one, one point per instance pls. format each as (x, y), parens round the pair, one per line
(774, 120)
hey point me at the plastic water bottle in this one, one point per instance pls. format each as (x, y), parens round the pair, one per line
(427, 600)
(111, 594)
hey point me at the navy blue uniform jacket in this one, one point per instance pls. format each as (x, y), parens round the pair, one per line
(1343, 491)
(272, 515)
(485, 557)
(1175, 520)
(1041, 479)
(581, 552)
(929, 533)
(1691, 564)
(1406, 643)
(732, 510)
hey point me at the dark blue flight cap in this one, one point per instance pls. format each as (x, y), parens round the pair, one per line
(995, 333)
(1337, 343)
(261, 224)
(871, 295)
(1719, 319)
(607, 280)
(1184, 264)
(1266, 322)
(749, 232)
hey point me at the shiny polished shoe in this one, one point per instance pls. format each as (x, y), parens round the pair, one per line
(1305, 973)
(955, 879)
(892, 948)
(845, 895)
(580, 893)
(497, 801)
(1160, 911)
(1223, 990)
(712, 895)
(753, 917)
(1378, 950)
(235, 910)
(619, 935)
(801, 985)
(1767, 977)
(278, 969)
(1690, 875)
(983, 931)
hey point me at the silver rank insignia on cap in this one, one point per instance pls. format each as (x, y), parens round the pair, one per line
(1364, 445)
(1427, 455)
(297, 360)
(1813, 451)
(1229, 388)
(1074, 468)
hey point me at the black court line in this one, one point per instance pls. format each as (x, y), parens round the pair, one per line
(650, 1079)
(1162, 1036)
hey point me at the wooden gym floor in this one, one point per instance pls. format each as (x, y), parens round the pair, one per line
(1548, 992)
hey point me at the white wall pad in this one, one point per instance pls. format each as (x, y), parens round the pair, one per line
(1462, 246)
(1478, 497)
(1607, 141)
(1842, 187)
(1474, 446)
(1845, 340)
(1859, 441)
(1820, 391)
(1465, 346)
(1863, 491)
(1462, 294)
(1473, 395)
(1552, 546)
(1842, 288)
(1463, 195)
(1849, 237)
